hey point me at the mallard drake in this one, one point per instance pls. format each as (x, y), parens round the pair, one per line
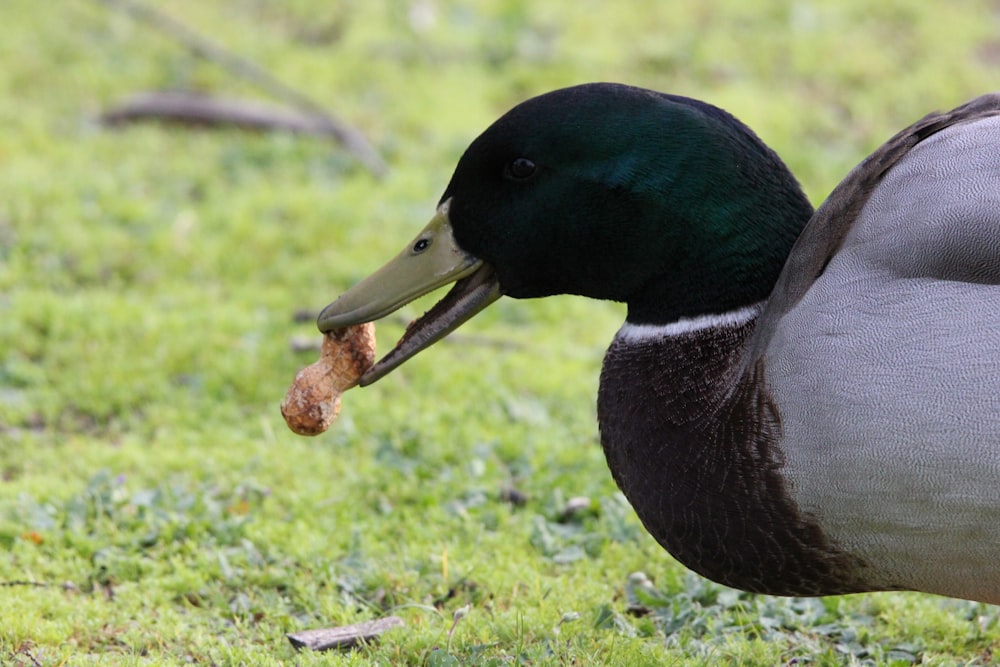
(797, 403)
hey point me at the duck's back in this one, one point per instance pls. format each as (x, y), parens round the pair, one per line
(886, 374)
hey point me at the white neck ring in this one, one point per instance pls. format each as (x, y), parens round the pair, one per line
(688, 325)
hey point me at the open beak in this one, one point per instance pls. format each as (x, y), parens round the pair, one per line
(432, 260)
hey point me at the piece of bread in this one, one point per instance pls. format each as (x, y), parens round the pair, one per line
(313, 400)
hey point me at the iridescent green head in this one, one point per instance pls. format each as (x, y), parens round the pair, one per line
(665, 203)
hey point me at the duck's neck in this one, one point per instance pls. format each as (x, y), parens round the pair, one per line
(692, 439)
(710, 324)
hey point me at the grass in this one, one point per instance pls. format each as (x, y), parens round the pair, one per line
(153, 507)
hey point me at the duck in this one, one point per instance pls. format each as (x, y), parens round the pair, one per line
(799, 402)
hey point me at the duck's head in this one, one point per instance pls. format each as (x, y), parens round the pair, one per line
(604, 190)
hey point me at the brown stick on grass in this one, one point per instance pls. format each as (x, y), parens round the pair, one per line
(246, 69)
(200, 109)
(343, 637)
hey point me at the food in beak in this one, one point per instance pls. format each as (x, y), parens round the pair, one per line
(313, 401)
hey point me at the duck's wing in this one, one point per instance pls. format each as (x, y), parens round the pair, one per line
(824, 234)
(881, 357)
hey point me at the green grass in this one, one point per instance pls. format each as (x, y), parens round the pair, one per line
(153, 507)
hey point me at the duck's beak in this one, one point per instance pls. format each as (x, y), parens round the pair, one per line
(432, 260)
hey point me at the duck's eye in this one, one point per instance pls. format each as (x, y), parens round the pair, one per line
(520, 169)
(421, 245)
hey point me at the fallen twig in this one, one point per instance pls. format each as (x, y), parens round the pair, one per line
(67, 586)
(25, 650)
(343, 637)
(200, 109)
(201, 46)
